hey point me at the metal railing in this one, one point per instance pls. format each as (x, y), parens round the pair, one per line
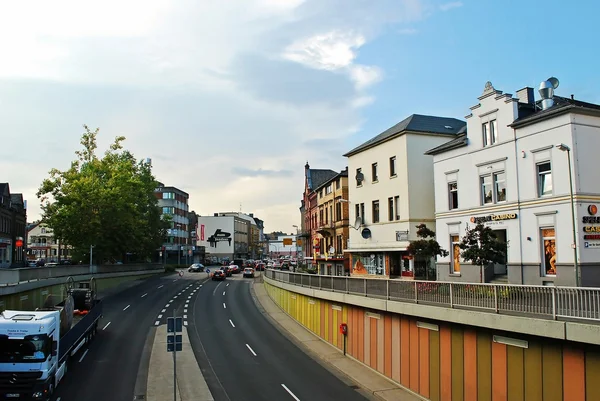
(23, 275)
(521, 300)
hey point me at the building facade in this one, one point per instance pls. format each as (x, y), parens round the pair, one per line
(283, 246)
(313, 178)
(512, 172)
(229, 235)
(174, 203)
(332, 226)
(41, 244)
(391, 191)
(13, 223)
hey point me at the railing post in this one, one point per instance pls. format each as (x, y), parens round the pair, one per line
(451, 297)
(320, 286)
(553, 303)
(496, 299)
(347, 285)
(416, 293)
(387, 290)
(365, 286)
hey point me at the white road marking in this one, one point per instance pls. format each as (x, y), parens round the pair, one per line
(175, 297)
(185, 311)
(83, 356)
(174, 280)
(160, 316)
(216, 288)
(107, 324)
(190, 297)
(288, 390)
(127, 307)
(185, 322)
(58, 399)
(185, 316)
(227, 285)
(223, 292)
(224, 306)
(171, 301)
(163, 311)
(167, 305)
(161, 286)
(232, 325)
(144, 295)
(251, 350)
(156, 323)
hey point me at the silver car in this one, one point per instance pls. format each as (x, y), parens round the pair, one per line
(196, 267)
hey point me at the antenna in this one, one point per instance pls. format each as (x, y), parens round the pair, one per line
(357, 223)
(360, 177)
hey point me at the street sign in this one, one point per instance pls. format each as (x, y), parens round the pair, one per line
(208, 271)
(174, 342)
(299, 242)
(174, 325)
(287, 241)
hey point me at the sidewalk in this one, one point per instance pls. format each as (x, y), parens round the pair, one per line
(191, 385)
(369, 380)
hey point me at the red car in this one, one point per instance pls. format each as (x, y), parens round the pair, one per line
(218, 275)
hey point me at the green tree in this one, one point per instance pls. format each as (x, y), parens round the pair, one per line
(425, 248)
(481, 247)
(106, 202)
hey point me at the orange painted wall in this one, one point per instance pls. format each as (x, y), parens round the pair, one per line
(451, 362)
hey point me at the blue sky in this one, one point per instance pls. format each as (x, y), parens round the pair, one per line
(230, 99)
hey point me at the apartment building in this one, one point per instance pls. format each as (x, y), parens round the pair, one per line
(512, 171)
(13, 222)
(41, 244)
(174, 203)
(391, 192)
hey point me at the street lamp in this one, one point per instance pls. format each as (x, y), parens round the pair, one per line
(565, 148)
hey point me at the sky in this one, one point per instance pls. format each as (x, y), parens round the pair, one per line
(230, 98)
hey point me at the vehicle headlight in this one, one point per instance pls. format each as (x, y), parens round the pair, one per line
(38, 394)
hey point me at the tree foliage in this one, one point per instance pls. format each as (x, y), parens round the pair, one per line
(426, 246)
(107, 202)
(481, 247)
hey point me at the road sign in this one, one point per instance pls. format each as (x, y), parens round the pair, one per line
(174, 342)
(174, 324)
(287, 241)
(208, 271)
(299, 242)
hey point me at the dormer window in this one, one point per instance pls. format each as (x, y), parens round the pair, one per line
(489, 131)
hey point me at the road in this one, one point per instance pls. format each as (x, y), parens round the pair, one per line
(107, 370)
(244, 357)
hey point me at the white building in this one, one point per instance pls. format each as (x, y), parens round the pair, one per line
(226, 235)
(510, 174)
(391, 192)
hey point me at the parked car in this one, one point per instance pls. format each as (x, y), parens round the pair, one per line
(219, 275)
(249, 272)
(196, 267)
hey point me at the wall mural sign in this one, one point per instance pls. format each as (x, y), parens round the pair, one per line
(219, 236)
(591, 232)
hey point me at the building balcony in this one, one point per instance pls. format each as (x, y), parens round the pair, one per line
(341, 223)
(304, 234)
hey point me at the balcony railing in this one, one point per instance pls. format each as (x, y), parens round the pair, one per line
(526, 300)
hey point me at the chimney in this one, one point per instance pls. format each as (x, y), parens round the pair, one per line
(546, 90)
(251, 215)
(215, 214)
(306, 166)
(525, 95)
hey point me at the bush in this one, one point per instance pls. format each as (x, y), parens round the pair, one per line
(169, 268)
(311, 271)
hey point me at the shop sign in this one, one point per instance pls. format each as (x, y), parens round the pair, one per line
(493, 217)
(5, 241)
(402, 235)
(591, 229)
(592, 236)
(591, 245)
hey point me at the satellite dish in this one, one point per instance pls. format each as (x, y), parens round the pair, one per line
(366, 233)
(554, 82)
(357, 223)
(360, 177)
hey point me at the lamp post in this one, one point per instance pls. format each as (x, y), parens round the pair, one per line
(296, 227)
(565, 148)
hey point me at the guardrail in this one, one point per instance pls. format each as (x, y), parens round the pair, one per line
(528, 300)
(23, 275)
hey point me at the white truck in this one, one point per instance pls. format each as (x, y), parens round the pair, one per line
(35, 346)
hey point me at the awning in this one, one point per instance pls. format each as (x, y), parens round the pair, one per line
(362, 250)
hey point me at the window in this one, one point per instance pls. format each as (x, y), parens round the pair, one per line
(376, 211)
(357, 212)
(486, 189)
(489, 132)
(544, 178)
(397, 206)
(374, 172)
(359, 177)
(500, 186)
(369, 264)
(549, 251)
(453, 195)
(362, 213)
(493, 188)
(168, 195)
(391, 209)
(328, 189)
(337, 184)
(168, 210)
(393, 166)
(338, 211)
(455, 241)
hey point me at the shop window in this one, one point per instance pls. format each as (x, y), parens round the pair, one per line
(368, 264)
(455, 242)
(549, 251)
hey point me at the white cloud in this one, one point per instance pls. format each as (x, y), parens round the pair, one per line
(451, 5)
(226, 97)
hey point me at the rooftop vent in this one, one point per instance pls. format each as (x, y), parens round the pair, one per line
(547, 92)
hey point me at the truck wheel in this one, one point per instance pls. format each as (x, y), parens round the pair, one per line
(51, 387)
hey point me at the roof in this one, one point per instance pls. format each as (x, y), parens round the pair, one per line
(343, 173)
(3, 188)
(16, 199)
(414, 123)
(561, 105)
(458, 142)
(317, 177)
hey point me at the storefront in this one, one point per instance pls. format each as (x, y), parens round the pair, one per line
(5, 252)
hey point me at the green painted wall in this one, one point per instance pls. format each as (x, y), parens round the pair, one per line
(32, 299)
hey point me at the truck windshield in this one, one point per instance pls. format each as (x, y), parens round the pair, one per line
(29, 349)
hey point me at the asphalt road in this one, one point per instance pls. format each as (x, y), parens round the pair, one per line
(108, 369)
(244, 357)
